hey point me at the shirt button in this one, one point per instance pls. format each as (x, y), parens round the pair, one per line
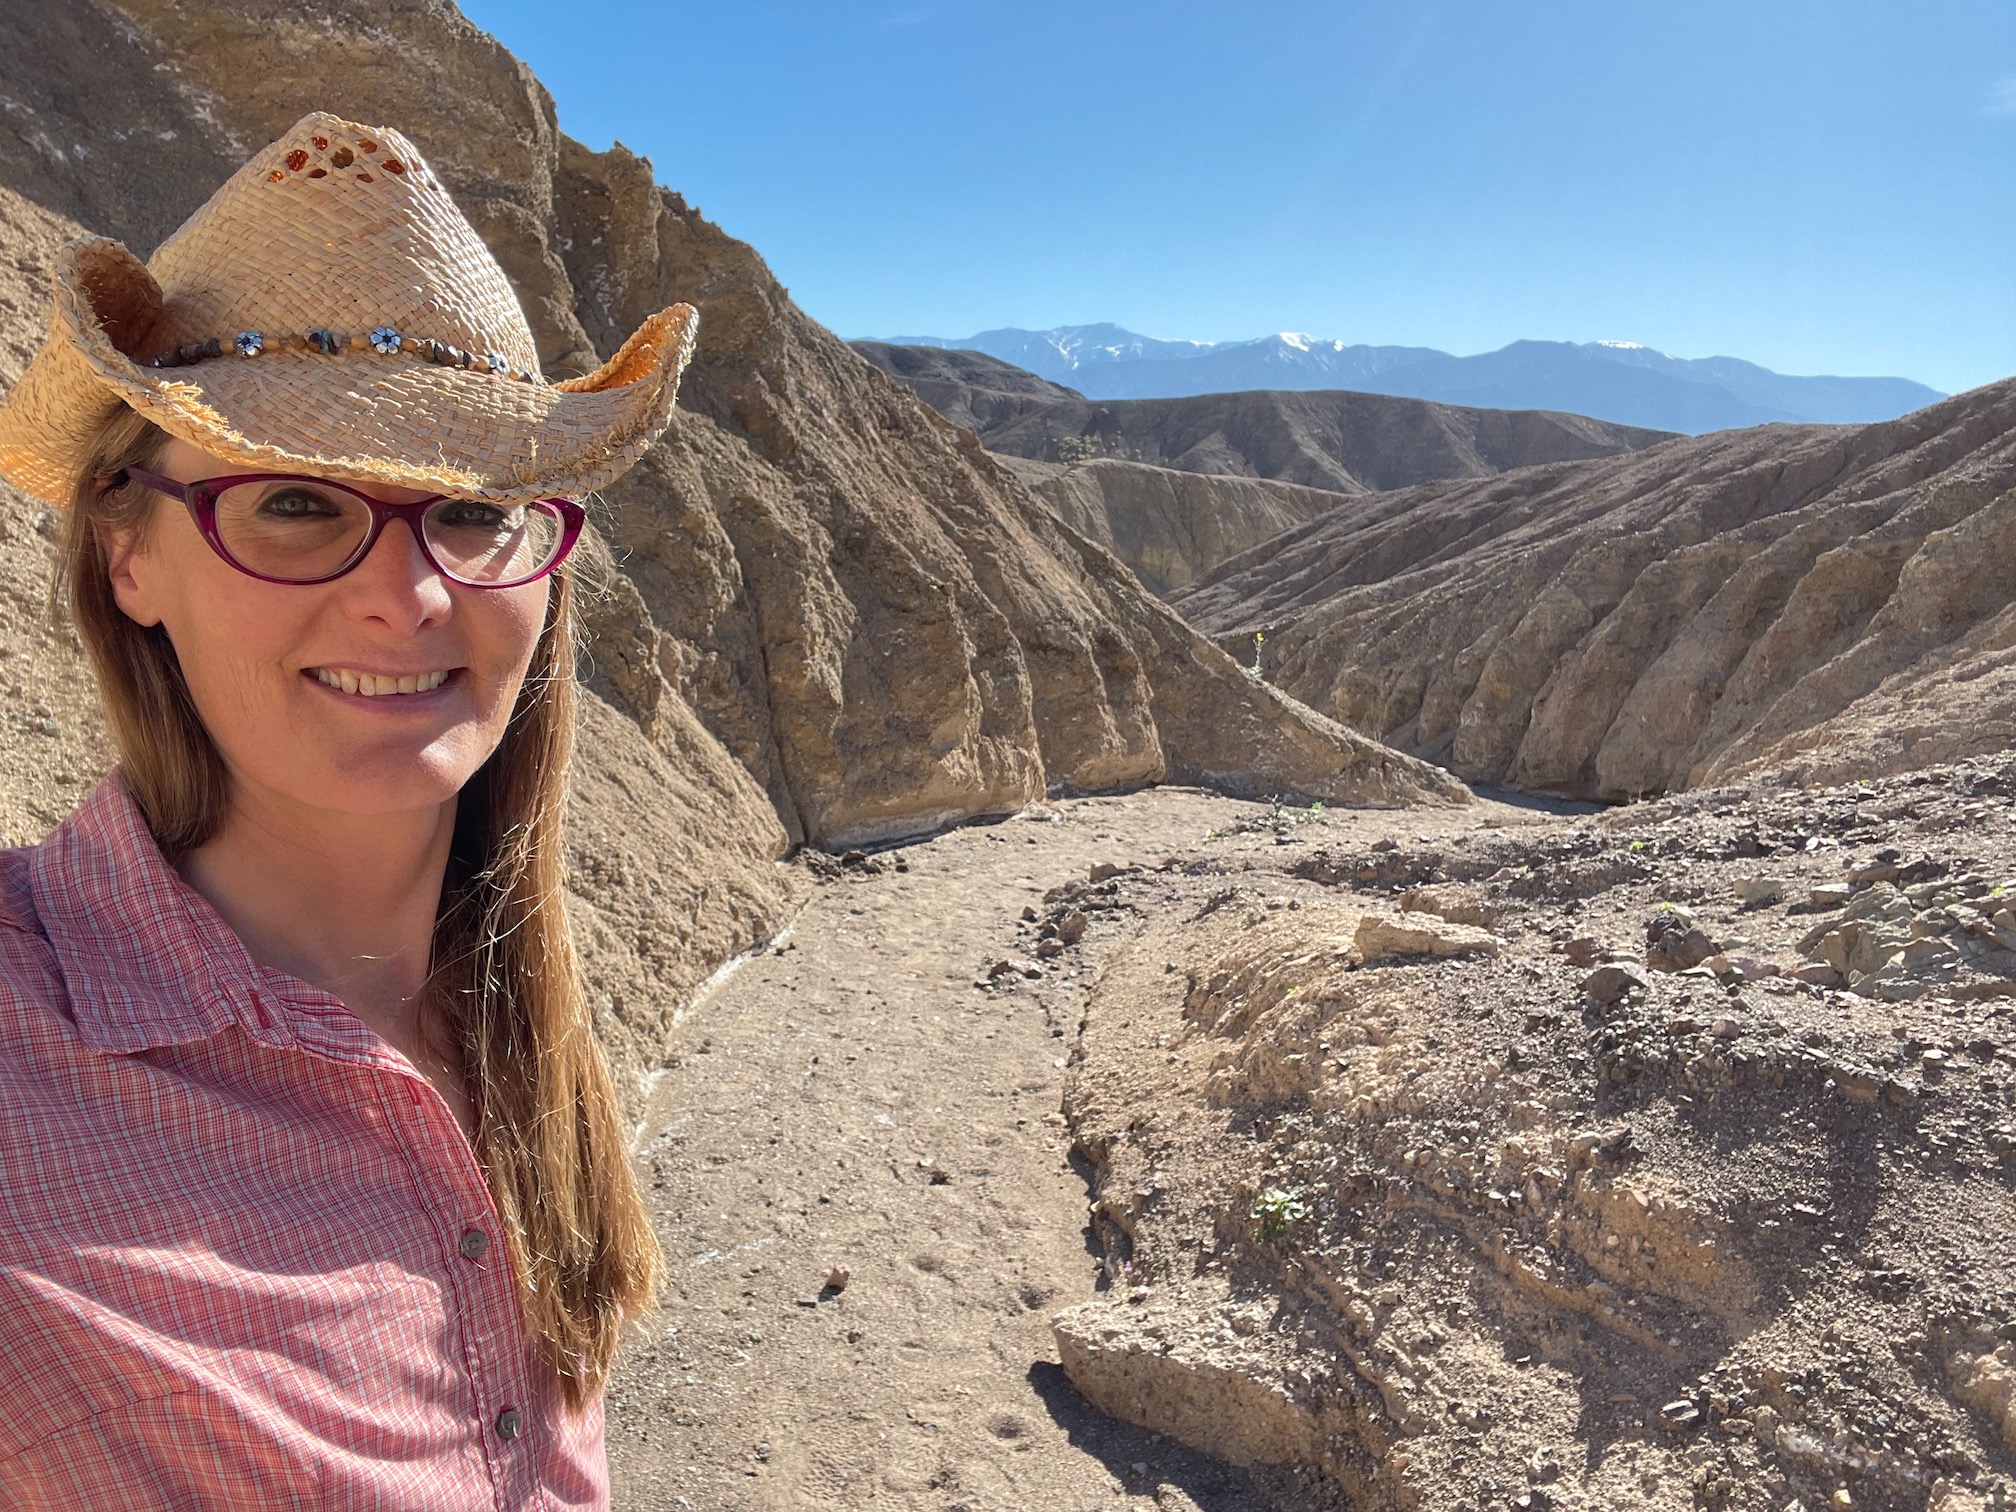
(508, 1423)
(474, 1242)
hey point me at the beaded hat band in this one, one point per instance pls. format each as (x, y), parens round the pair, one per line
(383, 340)
(331, 311)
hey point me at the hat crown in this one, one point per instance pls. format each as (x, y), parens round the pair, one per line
(336, 226)
(390, 347)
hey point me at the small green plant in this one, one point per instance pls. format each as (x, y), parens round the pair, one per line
(1259, 640)
(1278, 1210)
(1637, 846)
(1077, 448)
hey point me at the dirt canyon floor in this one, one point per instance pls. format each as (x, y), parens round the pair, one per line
(852, 1098)
(1659, 1157)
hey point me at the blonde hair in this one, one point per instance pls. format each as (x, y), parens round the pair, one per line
(504, 982)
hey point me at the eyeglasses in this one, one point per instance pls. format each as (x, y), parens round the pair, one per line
(281, 528)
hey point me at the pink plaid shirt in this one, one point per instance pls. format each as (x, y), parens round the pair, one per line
(246, 1256)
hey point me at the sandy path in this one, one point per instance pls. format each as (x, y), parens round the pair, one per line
(853, 1100)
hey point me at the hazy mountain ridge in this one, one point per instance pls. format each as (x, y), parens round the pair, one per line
(1617, 381)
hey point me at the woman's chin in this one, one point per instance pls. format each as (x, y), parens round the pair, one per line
(387, 776)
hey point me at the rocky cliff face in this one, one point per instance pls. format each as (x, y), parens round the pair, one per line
(1832, 601)
(834, 618)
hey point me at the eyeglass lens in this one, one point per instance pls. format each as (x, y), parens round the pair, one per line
(294, 529)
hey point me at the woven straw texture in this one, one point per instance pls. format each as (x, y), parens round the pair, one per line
(337, 227)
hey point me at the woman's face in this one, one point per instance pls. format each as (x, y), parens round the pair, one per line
(260, 658)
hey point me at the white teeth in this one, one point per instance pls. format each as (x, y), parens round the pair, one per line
(371, 685)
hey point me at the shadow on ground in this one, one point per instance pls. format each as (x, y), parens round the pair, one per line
(1145, 1464)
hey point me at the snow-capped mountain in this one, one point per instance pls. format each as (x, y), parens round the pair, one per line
(1611, 380)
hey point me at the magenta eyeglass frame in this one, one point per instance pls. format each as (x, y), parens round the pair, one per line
(200, 498)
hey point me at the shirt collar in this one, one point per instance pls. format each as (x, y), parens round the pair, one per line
(146, 960)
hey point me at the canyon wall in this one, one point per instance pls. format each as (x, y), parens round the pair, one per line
(829, 616)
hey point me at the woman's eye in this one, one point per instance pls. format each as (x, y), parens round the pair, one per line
(474, 516)
(299, 504)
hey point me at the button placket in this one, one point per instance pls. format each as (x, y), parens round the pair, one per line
(486, 1302)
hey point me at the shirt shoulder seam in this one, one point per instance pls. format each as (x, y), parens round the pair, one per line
(69, 1424)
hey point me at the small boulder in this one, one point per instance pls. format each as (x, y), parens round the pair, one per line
(1674, 942)
(1614, 982)
(1755, 892)
(1830, 895)
(1383, 938)
(1459, 905)
(1583, 950)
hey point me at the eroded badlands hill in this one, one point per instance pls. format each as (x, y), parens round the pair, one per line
(1168, 525)
(1334, 439)
(1135, 497)
(1833, 600)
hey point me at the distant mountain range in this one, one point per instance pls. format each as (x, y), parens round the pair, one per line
(1609, 380)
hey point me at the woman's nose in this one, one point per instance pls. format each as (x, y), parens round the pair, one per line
(396, 583)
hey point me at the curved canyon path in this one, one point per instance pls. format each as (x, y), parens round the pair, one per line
(853, 1098)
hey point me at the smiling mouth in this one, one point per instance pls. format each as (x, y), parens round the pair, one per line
(372, 685)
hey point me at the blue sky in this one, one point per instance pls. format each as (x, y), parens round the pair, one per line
(1817, 185)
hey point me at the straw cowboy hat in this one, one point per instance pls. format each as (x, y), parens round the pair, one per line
(331, 311)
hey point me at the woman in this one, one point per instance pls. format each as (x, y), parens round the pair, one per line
(312, 1188)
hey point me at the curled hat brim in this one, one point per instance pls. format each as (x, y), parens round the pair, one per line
(354, 415)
